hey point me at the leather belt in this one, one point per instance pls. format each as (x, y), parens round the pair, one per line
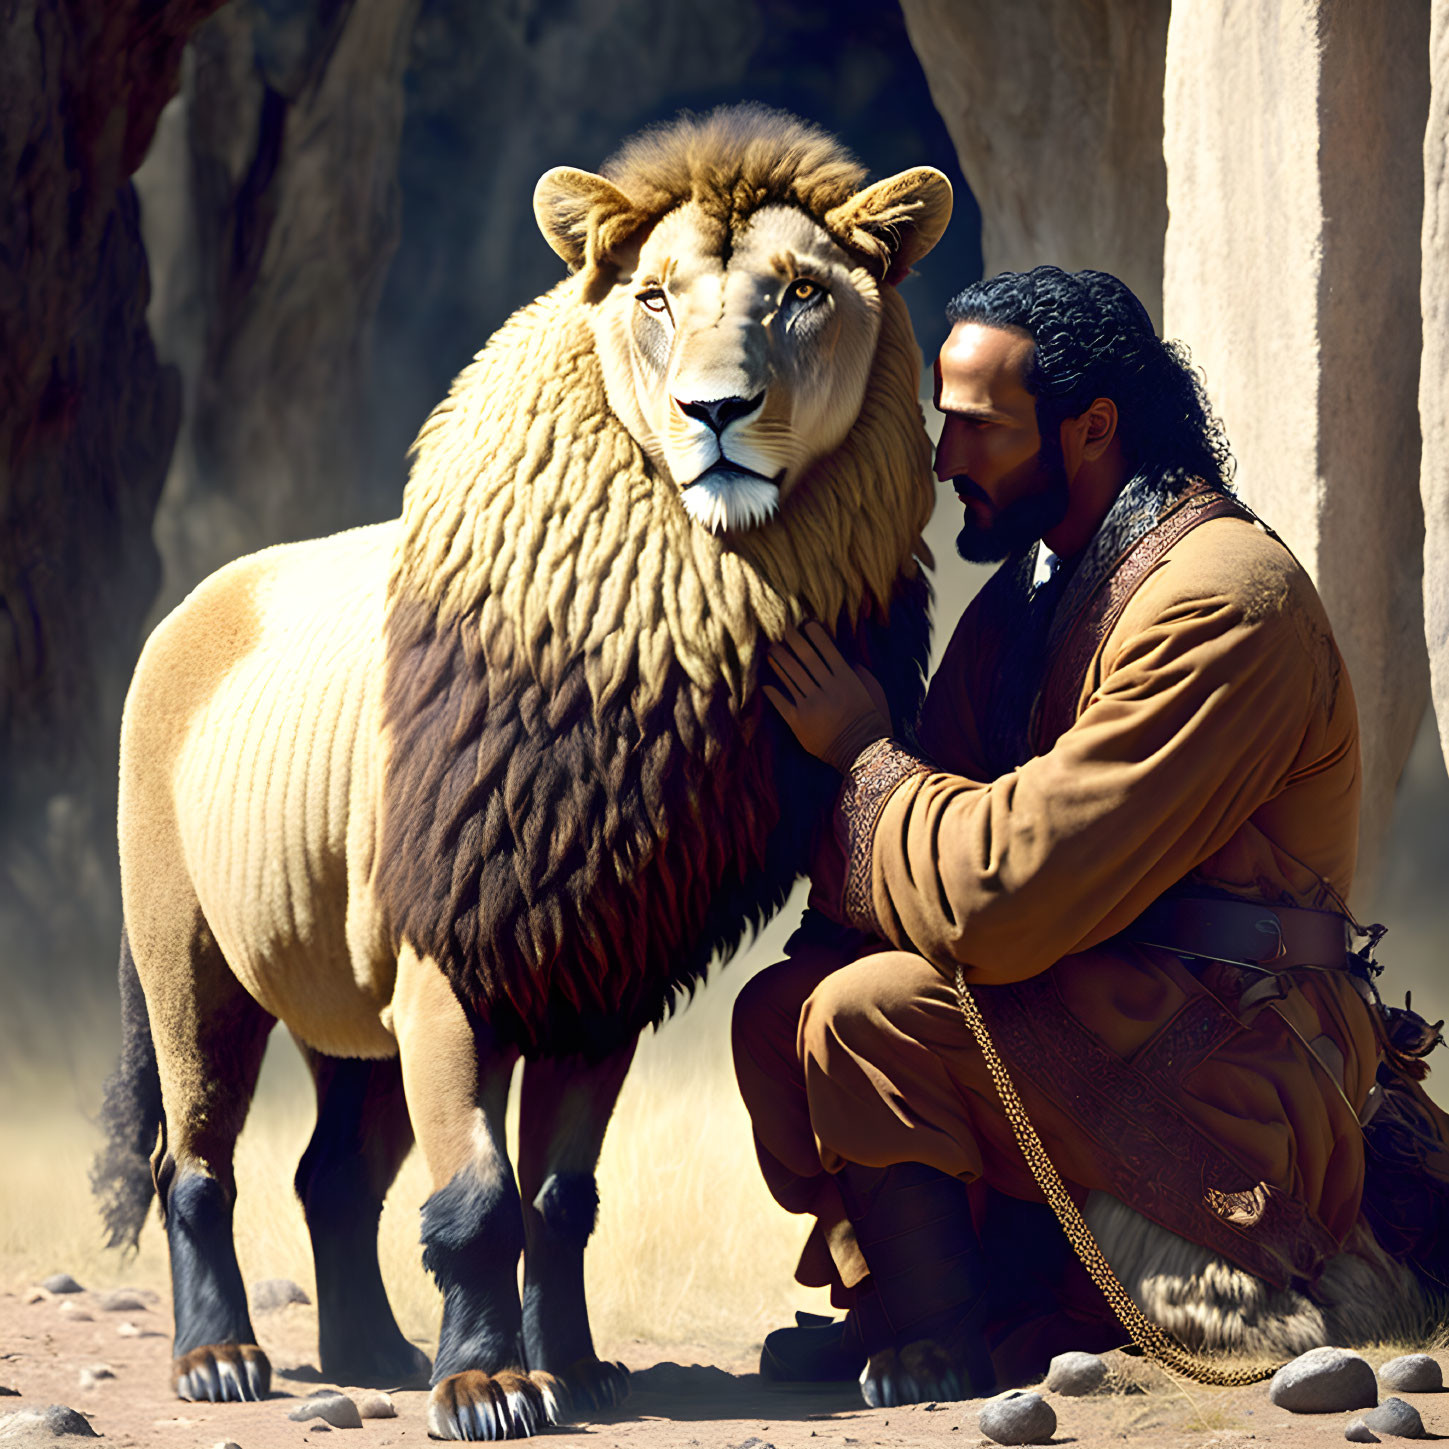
(1243, 933)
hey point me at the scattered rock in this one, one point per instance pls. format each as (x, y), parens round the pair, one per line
(1324, 1381)
(61, 1283)
(335, 1409)
(753, 1442)
(123, 1300)
(1412, 1373)
(41, 1426)
(1396, 1417)
(38, 1295)
(128, 1330)
(76, 1313)
(226, 1444)
(1017, 1417)
(1076, 1373)
(272, 1293)
(94, 1374)
(375, 1406)
(1357, 1432)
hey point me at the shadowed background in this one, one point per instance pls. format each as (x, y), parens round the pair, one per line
(331, 202)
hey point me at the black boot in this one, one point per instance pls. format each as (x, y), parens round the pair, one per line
(913, 1226)
(820, 1350)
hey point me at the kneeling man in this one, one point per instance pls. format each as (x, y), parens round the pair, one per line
(1128, 814)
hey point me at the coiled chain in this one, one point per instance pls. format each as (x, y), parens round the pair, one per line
(1155, 1342)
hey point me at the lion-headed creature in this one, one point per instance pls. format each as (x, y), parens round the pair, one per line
(498, 778)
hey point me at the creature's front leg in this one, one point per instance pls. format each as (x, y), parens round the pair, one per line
(566, 1107)
(456, 1081)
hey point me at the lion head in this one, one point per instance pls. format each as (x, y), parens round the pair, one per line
(735, 269)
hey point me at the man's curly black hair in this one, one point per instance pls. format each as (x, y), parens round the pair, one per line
(1092, 338)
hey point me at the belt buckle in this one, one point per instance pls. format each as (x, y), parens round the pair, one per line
(1271, 925)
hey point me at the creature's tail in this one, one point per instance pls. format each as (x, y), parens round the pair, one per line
(130, 1116)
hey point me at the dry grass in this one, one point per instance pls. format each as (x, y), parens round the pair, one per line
(690, 1249)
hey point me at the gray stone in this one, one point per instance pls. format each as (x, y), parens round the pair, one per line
(1073, 1374)
(1412, 1373)
(226, 1444)
(41, 1426)
(61, 1283)
(94, 1374)
(335, 1409)
(1324, 1381)
(1315, 283)
(375, 1406)
(1358, 1432)
(123, 1300)
(1017, 1417)
(273, 1293)
(1396, 1417)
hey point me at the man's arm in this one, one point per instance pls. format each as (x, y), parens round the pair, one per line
(1199, 720)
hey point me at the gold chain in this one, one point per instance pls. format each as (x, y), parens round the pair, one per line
(1155, 1342)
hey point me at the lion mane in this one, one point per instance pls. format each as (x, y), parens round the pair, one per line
(585, 795)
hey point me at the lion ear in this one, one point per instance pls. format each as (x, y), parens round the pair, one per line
(583, 217)
(895, 222)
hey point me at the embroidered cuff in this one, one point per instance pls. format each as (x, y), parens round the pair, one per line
(873, 775)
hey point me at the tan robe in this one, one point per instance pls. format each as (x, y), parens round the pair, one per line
(1215, 736)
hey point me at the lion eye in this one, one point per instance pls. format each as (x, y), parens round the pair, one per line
(802, 289)
(654, 300)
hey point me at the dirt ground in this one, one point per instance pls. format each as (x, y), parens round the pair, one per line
(47, 1341)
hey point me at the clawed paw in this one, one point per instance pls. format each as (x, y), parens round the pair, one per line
(595, 1385)
(510, 1404)
(918, 1373)
(222, 1373)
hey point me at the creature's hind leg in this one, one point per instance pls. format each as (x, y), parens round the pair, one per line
(566, 1107)
(209, 1036)
(457, 1079)
(361, 1138)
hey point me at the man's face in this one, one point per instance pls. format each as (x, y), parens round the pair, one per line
(1012, 481)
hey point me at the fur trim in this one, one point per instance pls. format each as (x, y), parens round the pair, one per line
(1361, 1296)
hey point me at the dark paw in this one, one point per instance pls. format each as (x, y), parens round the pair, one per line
(594, 1385)
(507, 1405)
(921, 1372)
(222, 1373)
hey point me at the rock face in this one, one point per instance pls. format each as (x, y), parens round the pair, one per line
(1056, 112)
(1017, 1417)
(1076, 1373)
(1297, 288)
(1324, 1381)
(1412, 1373)
(87, 421)
(1433, 395)
(273, 199)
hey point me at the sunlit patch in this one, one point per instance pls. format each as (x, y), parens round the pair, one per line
(724, 500)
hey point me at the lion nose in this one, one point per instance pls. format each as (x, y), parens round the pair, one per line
(721, 412)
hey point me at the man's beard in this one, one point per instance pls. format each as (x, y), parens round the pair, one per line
(1023, 521)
